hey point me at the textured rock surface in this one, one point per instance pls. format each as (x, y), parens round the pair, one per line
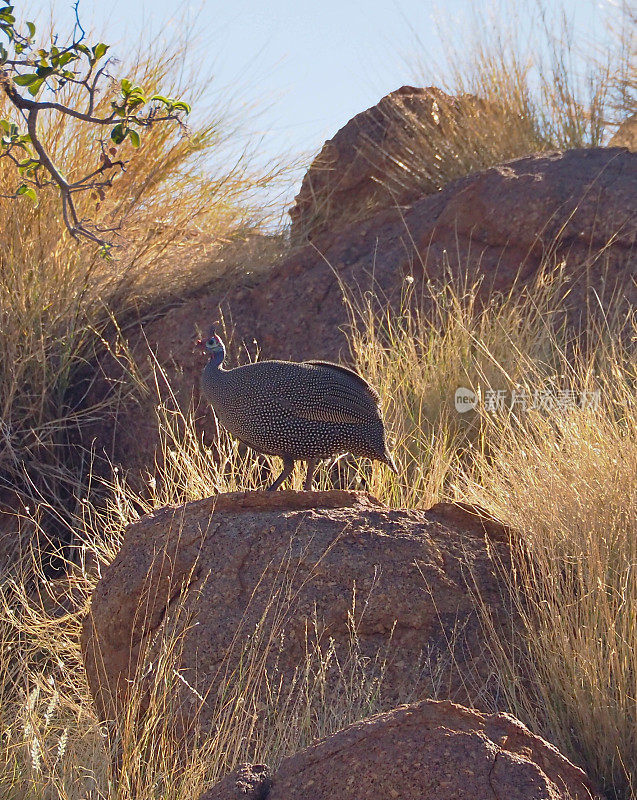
(498, 224)
(223, 560)
(578, 207)
(427, 750)
(368, 165)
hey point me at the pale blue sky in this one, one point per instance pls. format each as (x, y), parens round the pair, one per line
(310, 66)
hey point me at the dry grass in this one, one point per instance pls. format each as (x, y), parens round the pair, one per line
(566, 482)
(561, 472)
(517, 84)
(174, 208)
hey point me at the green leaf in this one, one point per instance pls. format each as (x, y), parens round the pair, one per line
(35, 87)
(44, 72)
(118, 134)
(135, 101)
(179, 105)
(31, 28)
(28, 167)
(3, 54)
(25, 80)
(28, 191)
(134, 138)
(5, 125)
(105, 252)
(66, 57)
(126, 86)
(99, 50)
(160, 99)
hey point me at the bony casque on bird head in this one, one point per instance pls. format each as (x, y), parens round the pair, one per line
(214, 347)
(306, 411)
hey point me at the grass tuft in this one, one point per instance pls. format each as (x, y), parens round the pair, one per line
(175, 209)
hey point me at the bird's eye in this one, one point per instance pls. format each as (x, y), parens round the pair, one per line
(210, 342)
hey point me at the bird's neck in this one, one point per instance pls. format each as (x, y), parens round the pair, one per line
(216, 360)
(215, 378)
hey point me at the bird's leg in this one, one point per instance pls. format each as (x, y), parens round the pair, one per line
(288, 466)
(311, 467)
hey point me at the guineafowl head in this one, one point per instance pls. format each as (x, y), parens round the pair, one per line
(215, 348)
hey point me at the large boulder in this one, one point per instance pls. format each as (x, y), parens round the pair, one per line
(278, 572)
(501, 226)
(428, 750)
(404, 147)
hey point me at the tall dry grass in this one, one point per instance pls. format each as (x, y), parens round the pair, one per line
(566, 482)
(559, 468)
(521, 79)
(181, 199)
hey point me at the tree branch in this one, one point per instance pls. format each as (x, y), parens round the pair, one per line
(53, 69)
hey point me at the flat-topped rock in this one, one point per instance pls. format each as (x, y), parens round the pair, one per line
(289, 563)
(282, 500)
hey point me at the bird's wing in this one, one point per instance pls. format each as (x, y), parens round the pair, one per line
(350, 373)
(345, 398)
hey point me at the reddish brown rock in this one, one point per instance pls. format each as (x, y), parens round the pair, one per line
(411, 143)
(348, 178)
(499, 226)
(427, 750)
(218, 563)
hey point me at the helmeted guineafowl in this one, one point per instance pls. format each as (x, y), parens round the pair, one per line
(299, 411)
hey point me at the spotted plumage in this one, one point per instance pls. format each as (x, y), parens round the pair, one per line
(299, 411)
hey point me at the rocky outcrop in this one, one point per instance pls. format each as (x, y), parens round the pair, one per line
(412, 143)
(500, 226)
(428, 750)
(391, 154)
(260, 577)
